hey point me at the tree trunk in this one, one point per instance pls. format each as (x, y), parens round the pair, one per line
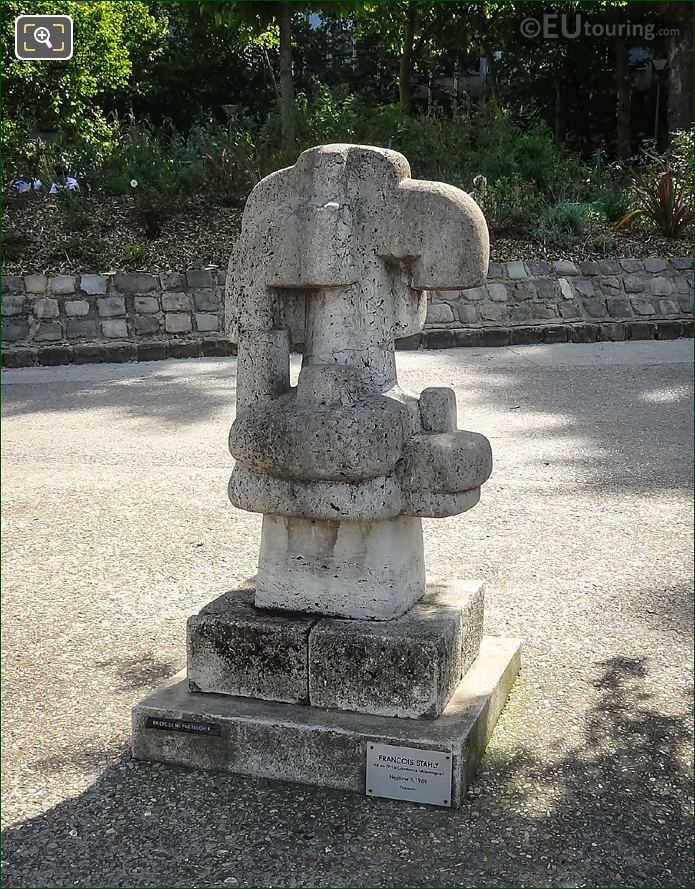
(623, 124)
(679, 48)
(560, 111)
(286, 82)
(406, 68)
(491, 72)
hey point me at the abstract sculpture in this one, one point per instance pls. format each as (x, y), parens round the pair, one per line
(339, 664)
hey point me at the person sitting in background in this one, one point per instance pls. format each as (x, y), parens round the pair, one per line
(63, 182)
(19, 184)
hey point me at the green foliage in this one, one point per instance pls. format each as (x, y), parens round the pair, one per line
(89, 253)
(508, 203)
(71, 207)
(663, 196)
(62, 97)
(15, 244)
(133, 253)
(560, 224)
(159, 165)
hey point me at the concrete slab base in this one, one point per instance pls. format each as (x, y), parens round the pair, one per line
(298, 743)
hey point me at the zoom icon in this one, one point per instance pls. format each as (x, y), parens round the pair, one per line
(43, 38)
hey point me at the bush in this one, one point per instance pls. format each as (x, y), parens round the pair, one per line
(508, 203)
(89, 253)
(560, 224)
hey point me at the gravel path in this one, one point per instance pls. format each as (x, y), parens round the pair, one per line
(117, 527)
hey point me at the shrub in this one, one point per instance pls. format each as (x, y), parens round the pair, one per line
(133, 253)
(508, 203)
(89, 253)
(72, 209)
(561, 223)
(663, 201)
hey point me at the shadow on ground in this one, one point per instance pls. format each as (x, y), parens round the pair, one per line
(611, 812)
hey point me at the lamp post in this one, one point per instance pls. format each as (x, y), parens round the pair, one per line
(659, 65)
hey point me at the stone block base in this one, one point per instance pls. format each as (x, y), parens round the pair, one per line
(327, 748)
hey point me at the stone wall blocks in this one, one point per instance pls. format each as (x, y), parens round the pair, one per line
(35, 283)
(206, 322)
(497, 292)
(595, 308)
(589, 268)
(62, 285)
(146, 305)
(539, 268)
(94, 285)
(13, 304)
(584, 332)
(619, 307)
(205, 300)
(52, 356)
(584, 287)
(115, 328)
(85, 328)
(641, 330)
(516, 271)
(525, 335)
(437, 314)
(135, 282)
(48, 332)
(631, 265)
(668, 307)
(111, 306)
(45, 307)
(119, 352)
(669, 330)
(146, 325)
(468, 315)
(655, 264)
(565, 267)
(18, 357)
(176, 302)
(571, 310)
(682, 262)
(221, 348)
(633, 284)
(473, 294)
(660, 286)
(613, 332)
(151, 351)
(685, 304)
(557, 333)
(88, 353)
(643, 307)
(199, 278)
(496, 270)
(495, 336)
(543, 312)
(14, 329)
(177, 322)
(609, 266)
(183, 349)
(76, 307)
(172, 281)
(11, 284)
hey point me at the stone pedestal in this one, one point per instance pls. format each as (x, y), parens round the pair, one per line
(299, 697)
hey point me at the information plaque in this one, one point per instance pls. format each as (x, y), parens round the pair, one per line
(421, 776)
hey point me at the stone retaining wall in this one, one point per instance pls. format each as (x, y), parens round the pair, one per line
(126, 316)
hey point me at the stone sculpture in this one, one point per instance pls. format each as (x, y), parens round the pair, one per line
(337, 254)
(339, 644)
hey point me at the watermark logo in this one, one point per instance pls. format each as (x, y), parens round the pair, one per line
(43, 38)
(555, 26)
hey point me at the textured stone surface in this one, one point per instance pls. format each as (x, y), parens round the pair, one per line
(76, 307)
(115, 328)
(349, 224)
(111, 306)
(177, 322)
(325, 748)
(236, 649)
(135, 282)
(94, 284)
(62, 284)
(35, 283)
(407, 667)
(44, 307)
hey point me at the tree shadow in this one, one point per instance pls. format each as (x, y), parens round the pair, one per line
(611, 809)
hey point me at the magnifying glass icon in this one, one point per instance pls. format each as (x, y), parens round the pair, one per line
(43, 35)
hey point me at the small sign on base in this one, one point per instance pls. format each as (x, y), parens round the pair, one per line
(410, 773)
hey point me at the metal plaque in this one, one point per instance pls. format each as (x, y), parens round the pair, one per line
(183, 725)
(421, 776)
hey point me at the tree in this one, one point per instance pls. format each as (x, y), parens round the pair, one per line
(69, 96)
(678, 17)
(262, 16)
